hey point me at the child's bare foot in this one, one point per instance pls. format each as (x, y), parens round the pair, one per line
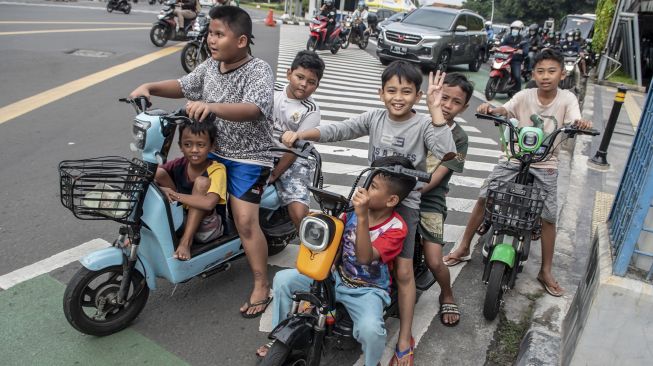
(183, 250)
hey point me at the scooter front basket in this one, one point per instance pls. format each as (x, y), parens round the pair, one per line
(104, 188)
(512, 205)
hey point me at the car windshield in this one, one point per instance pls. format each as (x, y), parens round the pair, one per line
(430, 18)
(584, 24)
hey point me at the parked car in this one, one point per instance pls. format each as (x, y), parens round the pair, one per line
(435, 37)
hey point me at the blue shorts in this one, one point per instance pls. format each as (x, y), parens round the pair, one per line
(244, 181)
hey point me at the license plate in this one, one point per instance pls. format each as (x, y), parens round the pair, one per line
(398, 50)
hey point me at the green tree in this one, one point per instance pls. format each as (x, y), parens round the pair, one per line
(529, 11)
(604, 12)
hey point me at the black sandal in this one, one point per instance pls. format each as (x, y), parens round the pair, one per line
(265, 302)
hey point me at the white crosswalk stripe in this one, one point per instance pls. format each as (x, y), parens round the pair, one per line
(350, 87)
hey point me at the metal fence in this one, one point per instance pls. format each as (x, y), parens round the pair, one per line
(634, 197)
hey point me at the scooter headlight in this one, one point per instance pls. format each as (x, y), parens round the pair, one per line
(314, 233)
(139, 131)
(530, 139)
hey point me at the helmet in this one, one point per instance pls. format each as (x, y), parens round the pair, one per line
(361, 4)
(558, 35)
(569, 36)
(328, 2)
(577, 34)
(488, 23)
(517, 24)
(533, 27)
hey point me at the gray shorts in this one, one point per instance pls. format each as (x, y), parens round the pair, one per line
(545, 179)
(411, 217)
(292, 185)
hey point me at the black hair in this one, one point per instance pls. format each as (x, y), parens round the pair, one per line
(198, 128)
(461, 81)
(402, 70)
(548, 54)
(398, 184)
(237, 19)
(310, 61)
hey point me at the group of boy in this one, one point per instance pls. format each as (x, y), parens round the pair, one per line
(231, 157)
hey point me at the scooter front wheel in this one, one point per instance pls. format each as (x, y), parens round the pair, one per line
(311, 45)
(89, 300)
(159, 35)
(277, 355)
(494, 291)
(491, 88)
(127, 9)
(189, 56)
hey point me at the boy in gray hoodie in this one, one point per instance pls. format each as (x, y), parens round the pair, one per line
(398, 130)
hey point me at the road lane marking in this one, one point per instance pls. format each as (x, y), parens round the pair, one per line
(29, 104)
(70, 30)
(38, 22)
(49, 264)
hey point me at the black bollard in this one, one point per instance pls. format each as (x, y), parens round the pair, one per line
(601, 157)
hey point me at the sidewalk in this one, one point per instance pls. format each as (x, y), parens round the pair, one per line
(589, 190)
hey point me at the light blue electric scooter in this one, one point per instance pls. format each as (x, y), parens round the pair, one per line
(112, 287)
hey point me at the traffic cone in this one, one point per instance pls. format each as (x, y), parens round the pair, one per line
(269, 20)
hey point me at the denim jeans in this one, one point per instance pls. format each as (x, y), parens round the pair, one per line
(364, 305)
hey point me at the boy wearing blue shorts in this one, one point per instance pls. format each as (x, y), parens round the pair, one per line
(238, 89)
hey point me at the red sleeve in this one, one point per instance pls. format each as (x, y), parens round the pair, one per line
(390, 243)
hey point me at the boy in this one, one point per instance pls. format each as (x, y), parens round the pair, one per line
(556, 107)
(197, 183)
(238, 89)
(372, 238)
(456, 93)
(398, 131)
(295, 110)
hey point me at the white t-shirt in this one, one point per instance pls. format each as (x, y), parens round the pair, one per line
(563, 110)
(292, 114)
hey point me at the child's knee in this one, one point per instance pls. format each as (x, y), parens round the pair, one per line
(404, 273)
(370, 329)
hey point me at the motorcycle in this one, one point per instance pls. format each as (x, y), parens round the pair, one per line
(372, 25)
(501, 80)
(572, 72)
(304, 334)
(114, 283)
(317, 39)
(196, 50)
(119, 5)
(346, 33)
(164, 29)
(152, 2)
(356, 37)
(513, 208)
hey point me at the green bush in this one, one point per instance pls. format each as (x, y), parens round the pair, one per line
(604, 13)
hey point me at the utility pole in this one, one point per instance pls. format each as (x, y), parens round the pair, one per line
(492, 14)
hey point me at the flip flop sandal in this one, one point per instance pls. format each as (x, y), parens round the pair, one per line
(454, 261)
(265, 302)
(551, 291)
(449, 309)
(410, 352)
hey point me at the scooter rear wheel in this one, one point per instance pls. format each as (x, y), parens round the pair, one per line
(88, 290)
(189, 57)
(277, 355)
(494, 291)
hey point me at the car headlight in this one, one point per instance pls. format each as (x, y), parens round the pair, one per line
(139, 131)
(314, 233)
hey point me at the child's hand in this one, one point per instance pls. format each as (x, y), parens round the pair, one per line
(583, 124)
(141, 91)
(485, 108)
(197, 110)
(170, 194)
(288, 138)
(434, 92)
(361, 201)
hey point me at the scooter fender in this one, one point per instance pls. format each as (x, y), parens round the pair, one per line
(495, 73)
(295, 332)
(504, 253)
(113, 256)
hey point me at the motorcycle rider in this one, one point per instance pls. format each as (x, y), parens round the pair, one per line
(534, 43)
(571, 44)
(489, 30)
(329, 10)
(515, 40)
(186, 9)
(360, 13)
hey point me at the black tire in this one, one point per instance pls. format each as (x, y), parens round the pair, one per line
(159, 35)
(127, 9)
(362, 44)
(385, 61)
(189, 57)
(109, 7)
(491, 88)
(334, 48)
(276, 356)
(345, 42)
(494, 291)
(443, 60)
(116, 318)
(311, 44)
(475, 65)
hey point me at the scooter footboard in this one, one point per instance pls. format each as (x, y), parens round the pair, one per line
(296, 332)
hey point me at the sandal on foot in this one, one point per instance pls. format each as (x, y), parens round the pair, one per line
(267, 347)
(449, 309)
(249, 305)
(550, 289)
(401, 354)
(454, 261)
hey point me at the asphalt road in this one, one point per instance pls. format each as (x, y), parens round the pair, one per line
(196, 321)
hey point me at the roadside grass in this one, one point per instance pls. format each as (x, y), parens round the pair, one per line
(622, 78)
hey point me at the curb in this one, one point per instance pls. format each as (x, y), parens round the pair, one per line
(641, 89)
(292, 22)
